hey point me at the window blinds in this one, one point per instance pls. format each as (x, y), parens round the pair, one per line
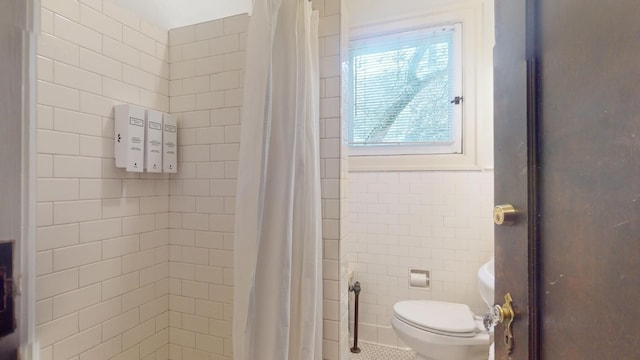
(402, 88)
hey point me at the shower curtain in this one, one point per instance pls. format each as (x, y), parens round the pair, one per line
(277, 312)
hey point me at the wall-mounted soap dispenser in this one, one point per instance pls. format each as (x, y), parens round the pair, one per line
(170, 144)
(129, 137)
(153, 148)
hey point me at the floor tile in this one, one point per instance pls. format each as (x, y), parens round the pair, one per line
(370, 351)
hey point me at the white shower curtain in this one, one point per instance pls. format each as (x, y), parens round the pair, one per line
(277, 311)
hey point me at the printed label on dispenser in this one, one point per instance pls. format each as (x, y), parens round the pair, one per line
(153, 152)
(170, 141)
(129, 137)
(136, 122)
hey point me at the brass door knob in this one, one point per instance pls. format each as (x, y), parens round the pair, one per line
(502, 314)
(504, 214)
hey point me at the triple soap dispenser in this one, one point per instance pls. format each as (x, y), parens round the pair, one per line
(145, 140)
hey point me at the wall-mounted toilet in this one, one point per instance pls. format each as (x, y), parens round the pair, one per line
(445, 331)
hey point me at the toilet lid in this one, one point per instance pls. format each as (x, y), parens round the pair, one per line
(438, 317)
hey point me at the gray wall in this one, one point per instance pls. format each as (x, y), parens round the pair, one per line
(13, 15)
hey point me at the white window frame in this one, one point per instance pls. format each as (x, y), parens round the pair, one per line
(423, 148)
(477, 95)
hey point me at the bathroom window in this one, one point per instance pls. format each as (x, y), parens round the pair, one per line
(420, 91)
(407, 93)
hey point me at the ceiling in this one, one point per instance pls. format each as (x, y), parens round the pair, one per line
(171, 14)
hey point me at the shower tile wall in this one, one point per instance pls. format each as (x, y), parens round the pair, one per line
(102, 234)
(335, 337)
(206, 92)
(207, 76)
(139, 266)
(440, 221)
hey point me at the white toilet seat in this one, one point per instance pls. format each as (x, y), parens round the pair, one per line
(442, 318)
(443, 331)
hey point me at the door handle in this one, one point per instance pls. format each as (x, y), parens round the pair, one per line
(502, 314)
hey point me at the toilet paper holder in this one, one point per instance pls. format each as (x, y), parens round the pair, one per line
(419, 278)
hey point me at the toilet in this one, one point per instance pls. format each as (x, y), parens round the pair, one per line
(439, 330)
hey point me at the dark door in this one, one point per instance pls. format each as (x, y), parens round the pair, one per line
(589, 111)
(583, 177)
(12, 25)
(514, 178)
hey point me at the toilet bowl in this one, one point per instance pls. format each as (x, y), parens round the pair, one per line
(439, 330)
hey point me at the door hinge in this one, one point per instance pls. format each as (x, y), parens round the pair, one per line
(457, 100)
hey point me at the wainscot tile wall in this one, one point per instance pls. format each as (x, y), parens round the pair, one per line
(437, 221)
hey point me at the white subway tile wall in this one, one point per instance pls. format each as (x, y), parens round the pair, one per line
(438, 221)
(204, 78)
(337, 52)
(335, 331)
(139, 266)
(102, 283)
(207, 76)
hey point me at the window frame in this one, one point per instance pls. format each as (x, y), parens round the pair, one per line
(476, 87)
(422, 148)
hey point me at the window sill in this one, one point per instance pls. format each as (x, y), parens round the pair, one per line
(436, 162)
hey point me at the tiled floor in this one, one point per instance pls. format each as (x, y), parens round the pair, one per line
(370, 351)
